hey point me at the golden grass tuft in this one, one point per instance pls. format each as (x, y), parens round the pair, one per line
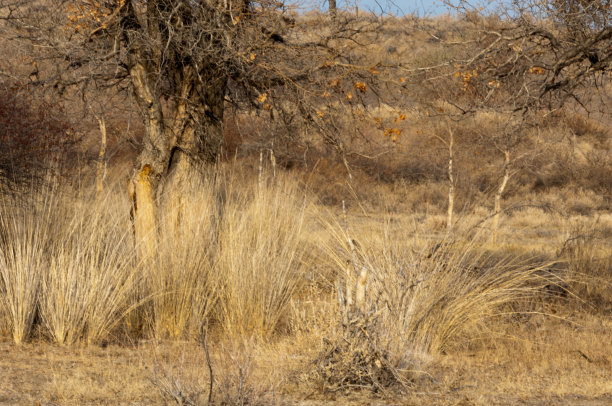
(180, 284)
(26, 234)
(260, 257)
(425, 294)
(87, 283)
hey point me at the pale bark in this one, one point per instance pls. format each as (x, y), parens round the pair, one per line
(260, 171)
(101, 169)
(348, 277)
(451, 183)
(144, 214)
(498, 195)
(273, 161)
(360, 289)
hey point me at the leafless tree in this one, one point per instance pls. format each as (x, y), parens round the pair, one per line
(539, 54)
(185, 62)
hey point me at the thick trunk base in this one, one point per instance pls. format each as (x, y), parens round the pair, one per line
(142, 195)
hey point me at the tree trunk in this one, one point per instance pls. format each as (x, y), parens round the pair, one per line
(451, 183)
(175, 147)
(498, 195)
(101, 169)
(332, 8)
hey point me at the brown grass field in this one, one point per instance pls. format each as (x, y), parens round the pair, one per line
(311, 281)
(536, 330)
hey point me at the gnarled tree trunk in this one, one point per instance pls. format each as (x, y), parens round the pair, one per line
(180, 136)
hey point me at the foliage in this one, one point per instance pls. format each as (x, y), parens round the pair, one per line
(34, 137)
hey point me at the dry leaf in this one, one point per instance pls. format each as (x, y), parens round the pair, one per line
(401, 117)
(360, 86)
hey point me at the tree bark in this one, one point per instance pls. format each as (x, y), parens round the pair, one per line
(101, 169)
(332, 8)
(451, 183)
(175, 146)
(498, 195)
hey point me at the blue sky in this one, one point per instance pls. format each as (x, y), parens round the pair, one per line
(418, 7)
(397, 7)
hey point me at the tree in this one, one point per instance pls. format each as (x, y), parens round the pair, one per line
(518, 64)
(33, 138)
(541, 54)
(184, 61)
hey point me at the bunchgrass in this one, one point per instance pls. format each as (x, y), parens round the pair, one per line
(425, 293)
(87, 283)
(26, 236)
(260, 256)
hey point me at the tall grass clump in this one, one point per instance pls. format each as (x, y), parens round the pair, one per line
(260, 259)
(26, 236)
(421, 298)
(180, 282)
(90, 274)
(588, 253)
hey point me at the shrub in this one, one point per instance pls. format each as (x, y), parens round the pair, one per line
(421, 299)
(34, 136)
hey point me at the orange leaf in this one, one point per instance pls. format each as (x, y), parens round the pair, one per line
(360, 86)
(536, 70)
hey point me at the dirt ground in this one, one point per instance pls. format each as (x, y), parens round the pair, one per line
(538, 360)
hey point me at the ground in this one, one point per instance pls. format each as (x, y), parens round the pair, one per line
(546, 362)
(557, 352)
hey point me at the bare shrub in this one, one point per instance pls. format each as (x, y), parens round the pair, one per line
(587, 252)
(34, 136)
(421, 298)
(235, 383)
(357, 358)
(174, 387)
(228, 382)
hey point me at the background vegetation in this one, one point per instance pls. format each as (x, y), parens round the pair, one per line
(316, 259)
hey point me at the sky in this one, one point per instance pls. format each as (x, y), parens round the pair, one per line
(420, 8)
(400, 7)
(397, 7)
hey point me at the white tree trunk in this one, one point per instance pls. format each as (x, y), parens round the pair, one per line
(451, 183)
(498, 195)
(101, 170)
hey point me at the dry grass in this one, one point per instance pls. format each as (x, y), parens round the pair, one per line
(247, 259)
(67, 259)
(261, 256)
(26, 234)
(589, 259)
(422, 298)
(235, 252)
(448, 319)
(89, 276)
(181, 284)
